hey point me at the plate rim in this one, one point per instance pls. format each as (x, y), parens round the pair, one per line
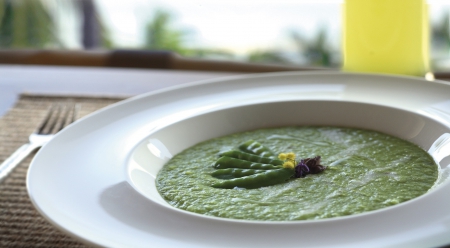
(184, 86)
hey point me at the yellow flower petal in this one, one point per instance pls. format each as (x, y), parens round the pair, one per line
(288, 165)
(282, 156)
(290, 156)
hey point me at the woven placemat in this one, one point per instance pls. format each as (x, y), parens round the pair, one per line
(20, 224)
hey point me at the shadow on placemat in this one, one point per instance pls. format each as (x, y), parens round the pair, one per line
(20, 224)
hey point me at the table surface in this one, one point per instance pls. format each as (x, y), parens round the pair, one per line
(26, 92)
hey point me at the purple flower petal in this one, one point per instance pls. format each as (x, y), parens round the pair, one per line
(308, 166)
(301, 170)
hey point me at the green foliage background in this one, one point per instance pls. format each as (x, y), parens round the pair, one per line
(31, 24)
(26, 24)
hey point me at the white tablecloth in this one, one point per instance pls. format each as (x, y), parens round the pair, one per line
(89, 81)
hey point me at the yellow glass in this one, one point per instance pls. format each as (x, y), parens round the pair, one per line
(386, 36)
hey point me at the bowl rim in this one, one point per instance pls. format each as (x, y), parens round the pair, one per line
(145, 139)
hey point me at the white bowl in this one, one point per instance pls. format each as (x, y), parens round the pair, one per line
(154, 151)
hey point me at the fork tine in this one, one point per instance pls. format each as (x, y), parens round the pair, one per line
(59, 116)
(69, 116)
(48, 122)
(59, 119)
(65, 117)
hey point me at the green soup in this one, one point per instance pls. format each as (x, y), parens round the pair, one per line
(366, 170)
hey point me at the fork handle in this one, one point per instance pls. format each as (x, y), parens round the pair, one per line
(12, 161)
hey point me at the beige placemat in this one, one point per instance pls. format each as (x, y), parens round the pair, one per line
(20, 224)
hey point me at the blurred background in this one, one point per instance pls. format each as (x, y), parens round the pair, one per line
(288, 32)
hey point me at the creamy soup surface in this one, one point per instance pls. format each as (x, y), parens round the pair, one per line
(365, 171)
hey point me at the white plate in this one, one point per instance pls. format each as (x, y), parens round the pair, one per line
(79, 180)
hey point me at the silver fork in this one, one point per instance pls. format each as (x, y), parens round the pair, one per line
(58, 117)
